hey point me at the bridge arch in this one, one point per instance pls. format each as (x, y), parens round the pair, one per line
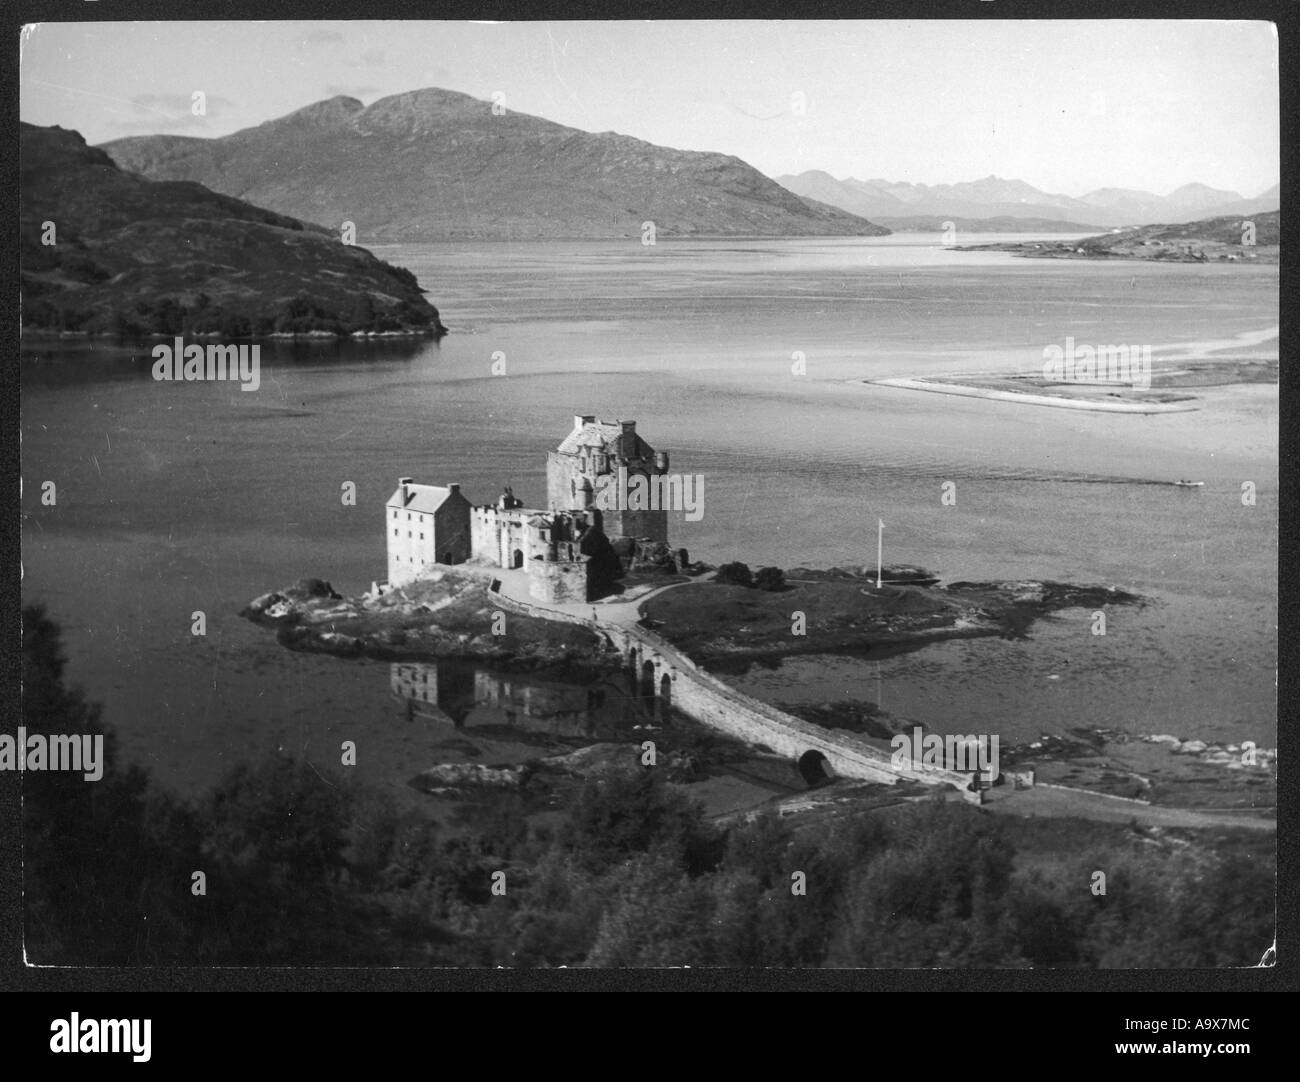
(664, 700)
(815, 768)
(633, 670)
(646, 690)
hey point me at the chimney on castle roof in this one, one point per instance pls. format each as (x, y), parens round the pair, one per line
(628, 447)
(454, 489)
(580, 419)
(406, 483)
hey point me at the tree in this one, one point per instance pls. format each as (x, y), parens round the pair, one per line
(363, 313)
(168, 316)
(106, 862)
(770, 578)
(615, 817)
(658, 917)
(735, 574)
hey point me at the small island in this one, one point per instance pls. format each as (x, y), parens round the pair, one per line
(597, 558)
(454, 613)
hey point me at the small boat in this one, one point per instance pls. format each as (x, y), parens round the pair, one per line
(1190, 484)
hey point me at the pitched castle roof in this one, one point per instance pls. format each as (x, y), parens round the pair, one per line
(603, 435)
(598, 434)
(423, 498)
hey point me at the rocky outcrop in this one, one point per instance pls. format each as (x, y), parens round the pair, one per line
(1232, 756)
(623, 760)
(457, 775)
(450, 615)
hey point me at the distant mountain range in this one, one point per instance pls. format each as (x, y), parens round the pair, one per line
(437, 165)
(102, 251)
(993, 197)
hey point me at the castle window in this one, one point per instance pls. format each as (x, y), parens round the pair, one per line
(395, 532)
(394, 514)
(421, 537)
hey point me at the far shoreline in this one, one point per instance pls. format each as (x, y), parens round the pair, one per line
(1096, 405)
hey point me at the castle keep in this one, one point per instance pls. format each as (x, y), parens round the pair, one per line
(585, 471)
(429, 525)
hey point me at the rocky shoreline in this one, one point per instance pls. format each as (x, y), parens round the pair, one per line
(451, 616)
(845, 613)
(1154, 769)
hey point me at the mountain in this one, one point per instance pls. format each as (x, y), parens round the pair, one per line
(995, 191)
(991, 197)
(998, 197)
(1263, 203)
(436, 165)
(937, 223)
(1193, 198)
(1126, 204)
(134, 256)
(1189, 203)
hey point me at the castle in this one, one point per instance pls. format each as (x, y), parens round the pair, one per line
(429, 525)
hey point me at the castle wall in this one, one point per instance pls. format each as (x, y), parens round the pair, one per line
(637, 524)
(497, 535)
(417, 540)
(558, 582)
(450, 540)
(485, 544)
(561, 482)
(411, 546)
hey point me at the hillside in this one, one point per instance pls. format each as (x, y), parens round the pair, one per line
(935, 223)
(436, 165)
(1218, 240)
(997, 197)
(133, 256)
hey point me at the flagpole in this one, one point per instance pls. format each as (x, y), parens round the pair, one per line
(880, 549)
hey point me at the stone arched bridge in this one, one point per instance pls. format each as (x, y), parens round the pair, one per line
(671, 678)
(666, 675)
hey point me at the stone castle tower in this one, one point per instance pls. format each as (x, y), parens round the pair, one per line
(583, 473)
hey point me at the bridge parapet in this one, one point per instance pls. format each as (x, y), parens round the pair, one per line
(758, 722)
(715, 703)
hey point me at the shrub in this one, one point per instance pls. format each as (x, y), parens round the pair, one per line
(735, 574)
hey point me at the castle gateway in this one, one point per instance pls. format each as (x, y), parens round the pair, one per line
(565, 549)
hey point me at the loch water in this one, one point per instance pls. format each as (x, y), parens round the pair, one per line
(746, 361)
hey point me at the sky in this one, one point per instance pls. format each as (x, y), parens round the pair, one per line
(1068, 106)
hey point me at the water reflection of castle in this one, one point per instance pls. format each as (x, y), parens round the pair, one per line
(452, 692)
